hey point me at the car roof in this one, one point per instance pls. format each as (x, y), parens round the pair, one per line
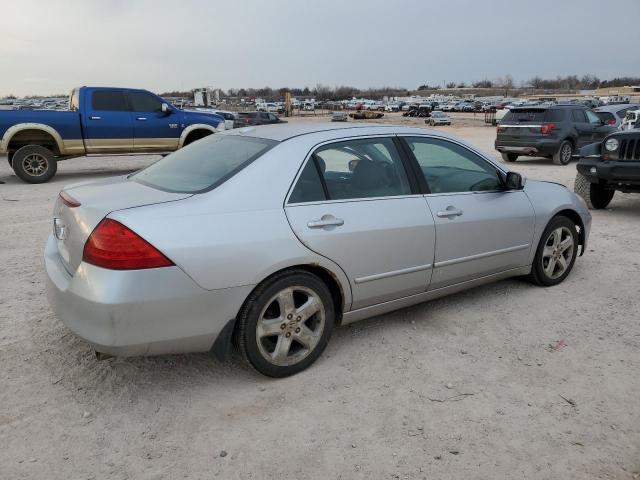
(283, 132)
(615, 108)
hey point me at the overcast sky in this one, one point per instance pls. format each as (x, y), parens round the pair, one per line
(49, 46)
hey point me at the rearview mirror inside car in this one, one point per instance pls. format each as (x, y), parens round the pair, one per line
(514, 181)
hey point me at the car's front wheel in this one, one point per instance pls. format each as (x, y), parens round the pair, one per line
(285, 323)
(595, 195)
(556, 253)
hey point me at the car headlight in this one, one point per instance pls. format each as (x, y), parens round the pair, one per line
(611, 145)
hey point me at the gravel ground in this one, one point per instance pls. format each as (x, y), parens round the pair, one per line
(503, 381)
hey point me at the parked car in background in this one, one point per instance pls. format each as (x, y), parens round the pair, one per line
(99, 120)
(245, 119)
(438, 118)
(273, 236)
(339, 116)
(556, 132)
(609, 166)
(631, 120)
(229, 118)
(614, 114)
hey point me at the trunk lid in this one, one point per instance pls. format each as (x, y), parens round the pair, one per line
(521, 124)
(72, 226)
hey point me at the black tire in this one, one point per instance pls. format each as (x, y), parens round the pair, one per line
(34, 164)
(10, 158)
(595, 196)
(509, 157)
(261, 300)
(539, 275)
(564, 153)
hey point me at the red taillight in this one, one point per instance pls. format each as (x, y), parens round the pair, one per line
(68, 200)
(114, 246)
(547, 128)
(500, 129)
(611, 122)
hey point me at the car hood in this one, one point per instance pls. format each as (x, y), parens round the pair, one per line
(200, 116)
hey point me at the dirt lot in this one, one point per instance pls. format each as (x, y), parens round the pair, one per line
(477, 385)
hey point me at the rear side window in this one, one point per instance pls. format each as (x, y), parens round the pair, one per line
(555, 115)
(578, 116)
(109, 100)
(607, 117)
(309, 186)
(522, 115)
(204, 164)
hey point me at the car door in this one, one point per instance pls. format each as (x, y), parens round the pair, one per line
(354, 204)
(106, 121)
(481, 229)
(583, 127)
(153, 129)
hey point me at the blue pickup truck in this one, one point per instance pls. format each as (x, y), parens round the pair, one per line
(100, 120)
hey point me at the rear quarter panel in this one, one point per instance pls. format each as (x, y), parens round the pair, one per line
(66, 124)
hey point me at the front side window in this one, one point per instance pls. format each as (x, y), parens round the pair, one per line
(109, 100)
(204, 164)
(450, 168)
(362, 168)
(593, 118)
(144, 102)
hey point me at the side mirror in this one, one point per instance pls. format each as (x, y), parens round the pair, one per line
(166, 109)
(514, 181)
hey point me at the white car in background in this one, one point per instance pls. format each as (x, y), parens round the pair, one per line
(438, 118)
(229, 118)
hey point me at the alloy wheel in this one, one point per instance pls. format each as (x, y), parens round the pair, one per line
(35, 164)
(290, 326)
(558, 252)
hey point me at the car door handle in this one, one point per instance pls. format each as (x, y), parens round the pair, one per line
(326, 221)
(449, 212)
(95, 118)
(141, 118)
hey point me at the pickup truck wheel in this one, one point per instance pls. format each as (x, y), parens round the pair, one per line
(34, 164)
(563, 155)
(509, 157)
(595, 196)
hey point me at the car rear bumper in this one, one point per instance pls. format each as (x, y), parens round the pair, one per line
(533, 148)
(615, 172)
(138, 312)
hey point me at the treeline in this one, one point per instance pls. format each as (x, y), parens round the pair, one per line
(569, 82)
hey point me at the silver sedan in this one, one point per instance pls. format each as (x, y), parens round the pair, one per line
(274, 235)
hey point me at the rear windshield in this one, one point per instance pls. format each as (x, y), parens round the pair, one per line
(525, 115)
(606, 116)
(204, 164)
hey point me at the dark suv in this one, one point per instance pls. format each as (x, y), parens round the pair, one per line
(556, 132)
(607, 166)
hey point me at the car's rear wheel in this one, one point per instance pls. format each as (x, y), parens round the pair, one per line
(509, 157)
(34, 164)
(564, 153)
(595, 195)
(285, 323)
(556, 253)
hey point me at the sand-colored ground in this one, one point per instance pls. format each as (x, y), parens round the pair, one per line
(466, 387)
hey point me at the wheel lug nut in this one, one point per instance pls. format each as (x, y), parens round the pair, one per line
(297, 330)
(288, 334)
(283, 326)
(298, 319)
(289, 317)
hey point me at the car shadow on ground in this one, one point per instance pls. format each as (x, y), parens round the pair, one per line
(74, 366)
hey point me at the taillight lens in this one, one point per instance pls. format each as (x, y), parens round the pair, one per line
(114, 246)
(547, 128)
(501, 129)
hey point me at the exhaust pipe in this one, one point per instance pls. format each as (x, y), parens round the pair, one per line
(103, 356)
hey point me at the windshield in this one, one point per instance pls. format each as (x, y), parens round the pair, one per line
(204, 164)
